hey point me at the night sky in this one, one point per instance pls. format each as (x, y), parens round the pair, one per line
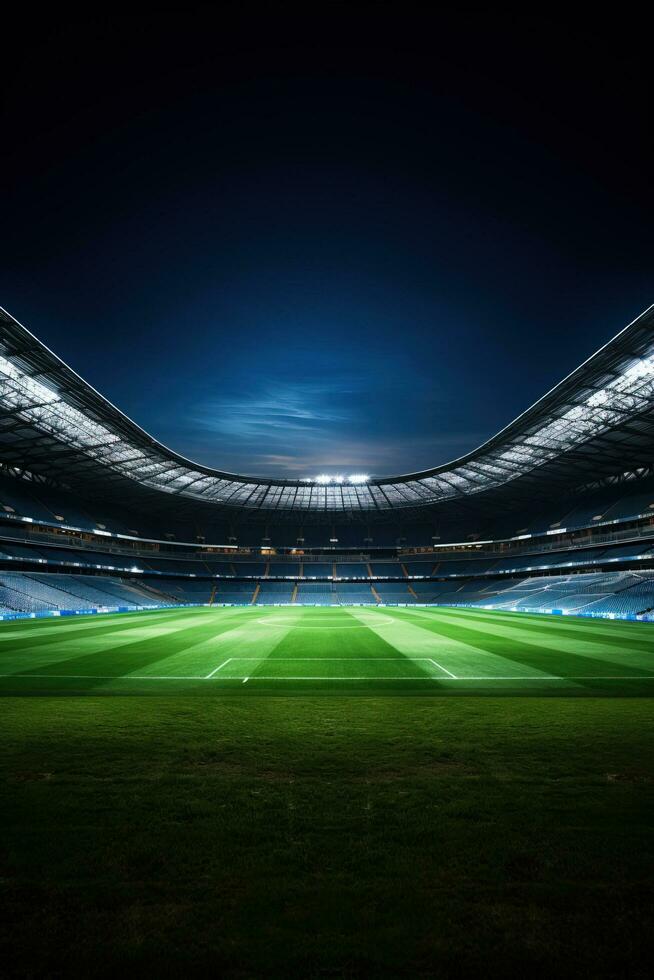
(357, 241)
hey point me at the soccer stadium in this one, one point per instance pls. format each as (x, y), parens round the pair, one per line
(163, 621)
(149, 596)
(526, 565)
(326, 493)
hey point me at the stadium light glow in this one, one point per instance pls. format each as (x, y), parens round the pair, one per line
(325, 478)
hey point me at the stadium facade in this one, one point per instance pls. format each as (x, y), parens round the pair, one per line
(556, 511)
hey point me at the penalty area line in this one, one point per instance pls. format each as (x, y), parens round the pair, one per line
(313, 660)
(444, 669)
(347, 677)
(216, 669)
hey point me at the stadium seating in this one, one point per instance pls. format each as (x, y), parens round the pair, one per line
(440, 564)
(465, 566)
(274, 592)
(351, 569)
(215, 567)
(252, 569)
(421, 567)
(173, 566)
(630, 505)
(393, 592)
(233, 592)
(635, 550)
(20, 592)
(317, 569)
(281, 567)
(316, 593)
(387, 569)
(601, 573)
(38, 502)
(351, 594)
(618, 593)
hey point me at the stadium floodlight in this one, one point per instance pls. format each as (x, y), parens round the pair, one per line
(358, 478)
(323, 478)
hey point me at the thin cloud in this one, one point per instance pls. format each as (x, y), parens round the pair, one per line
(333, 424)
(279, 411)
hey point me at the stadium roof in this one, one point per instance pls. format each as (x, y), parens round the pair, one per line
(598, 421)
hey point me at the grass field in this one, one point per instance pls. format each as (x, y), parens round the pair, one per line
(283, 650)
(345, 831)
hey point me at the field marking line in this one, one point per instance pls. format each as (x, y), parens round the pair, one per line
(563, 677)
(113, 677)
(215, 671)
(444, 669)
(304, 677)
(305, 660)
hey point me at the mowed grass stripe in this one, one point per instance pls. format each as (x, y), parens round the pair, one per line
(357, 644)
(24, 628)
(449, 655)
(75, 629)
(48, 648)
(568, 621)
(125, 658)
(636, 637)
(600, 625)
(509, 644)
(227, 654)
(413, 640)
(631, 635)
(583, 644)
(328, 669)
(295, 648)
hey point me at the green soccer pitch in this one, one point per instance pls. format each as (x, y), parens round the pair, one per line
(326, 792)
(305, 649)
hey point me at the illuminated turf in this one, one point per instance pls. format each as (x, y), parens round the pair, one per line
(388, 650)
(308, 834)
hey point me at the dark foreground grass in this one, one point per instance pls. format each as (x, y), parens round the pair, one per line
(326, 837)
